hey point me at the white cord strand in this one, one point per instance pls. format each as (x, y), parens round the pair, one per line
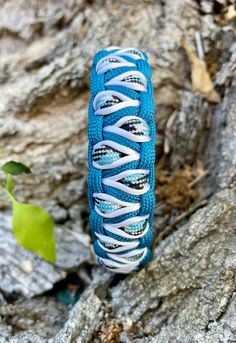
(112, 62)
(127, 80)
(121, 155)
(132, 135)
(122, 101)
(142, 185)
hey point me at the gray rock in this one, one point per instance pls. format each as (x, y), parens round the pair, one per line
(42, 315)
(187, 293)
(28, 274)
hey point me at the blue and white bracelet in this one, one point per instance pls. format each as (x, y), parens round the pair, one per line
(121, 158)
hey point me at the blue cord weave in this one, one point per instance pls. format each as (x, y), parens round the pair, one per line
(96, 134)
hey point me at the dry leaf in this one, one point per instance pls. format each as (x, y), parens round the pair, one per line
(110, 332)
(230, 13)
(175, 188)
(201, 81)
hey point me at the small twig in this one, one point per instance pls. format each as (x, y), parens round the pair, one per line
(182, 216)
(170, 121)
(199, 46)
(167, 139)
(158, 206)
(189, 211)
(198, 178)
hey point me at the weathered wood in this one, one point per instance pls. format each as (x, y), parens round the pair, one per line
(187, 293)
(51, 100)
(189, 134)
(42, 315)
(24, 273)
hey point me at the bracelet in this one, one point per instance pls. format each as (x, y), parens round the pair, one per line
(121, 158)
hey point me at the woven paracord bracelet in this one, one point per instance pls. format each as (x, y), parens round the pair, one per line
(121, 156)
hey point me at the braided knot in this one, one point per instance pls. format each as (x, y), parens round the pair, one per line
(121, 156)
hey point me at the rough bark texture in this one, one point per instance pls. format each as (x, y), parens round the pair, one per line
(23, 272)
(188, 292)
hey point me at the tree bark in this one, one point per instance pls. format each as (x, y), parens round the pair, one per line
(187, 293)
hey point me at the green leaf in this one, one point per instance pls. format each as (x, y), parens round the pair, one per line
(33, 228)
(10, 184)
(15, 168)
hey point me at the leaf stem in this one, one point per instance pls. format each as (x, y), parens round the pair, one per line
(8, 193)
